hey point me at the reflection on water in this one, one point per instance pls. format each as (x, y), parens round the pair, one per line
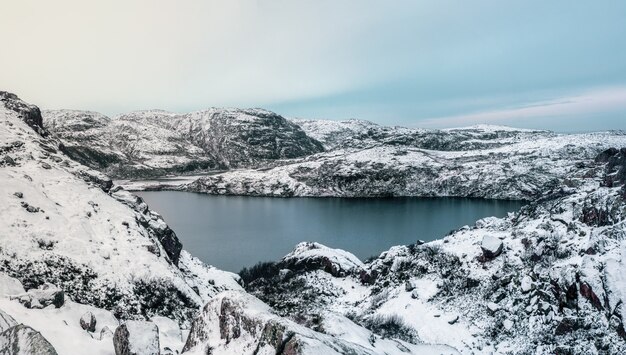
(231, 232)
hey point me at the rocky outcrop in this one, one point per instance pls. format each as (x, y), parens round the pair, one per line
(22, 339)
(30, 114)
(308, 256)
(136, 338)
(238, 323)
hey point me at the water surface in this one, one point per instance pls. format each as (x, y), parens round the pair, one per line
(231, 232)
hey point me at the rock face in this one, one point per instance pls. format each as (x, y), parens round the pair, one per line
(136, 338)
(30, 114)
(491, 246)
(88, 322)
(240, 138)
(22, 339)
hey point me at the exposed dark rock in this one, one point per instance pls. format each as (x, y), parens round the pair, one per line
(605, 155)
(88, 322)
(96, 178)
(587, 292)
(567, 325)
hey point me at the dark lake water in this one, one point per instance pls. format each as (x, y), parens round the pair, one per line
(231, 232)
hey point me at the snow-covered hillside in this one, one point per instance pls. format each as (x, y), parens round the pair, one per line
(519, 170)
(155, 143)
(546, 280)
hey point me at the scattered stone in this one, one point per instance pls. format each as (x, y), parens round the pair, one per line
(453, 320)
(491, 247)
(409, 285)
(106, 333)
(493, 307)
(136, 338)
(45, 165)
(527, 284)
(414, 294)
(88, 322)
(507, 324)
(29, 208)
(18, 194)
(7, 160)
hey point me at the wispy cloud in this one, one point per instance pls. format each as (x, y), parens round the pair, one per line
(591, 102)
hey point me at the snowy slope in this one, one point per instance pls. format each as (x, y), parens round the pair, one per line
(76, 249)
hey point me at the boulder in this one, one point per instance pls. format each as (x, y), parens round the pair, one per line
(47, 294)
(491, 246)
(22, 339)
(136, 338)
(527, 284)
(409, 285)
(106, 333)
(492, 307)
(88, 322)
(315, 256)
(10, 286)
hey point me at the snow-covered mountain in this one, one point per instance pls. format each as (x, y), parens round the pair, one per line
(155, 143)
(257, 152)
(84, 264)
(87, 268)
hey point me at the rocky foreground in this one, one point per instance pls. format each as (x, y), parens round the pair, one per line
(87, 267)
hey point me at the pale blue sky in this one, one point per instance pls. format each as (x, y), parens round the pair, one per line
(546, 64)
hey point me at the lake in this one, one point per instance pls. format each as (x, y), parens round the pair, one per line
(231, 232)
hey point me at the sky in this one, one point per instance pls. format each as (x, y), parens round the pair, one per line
(556, 64)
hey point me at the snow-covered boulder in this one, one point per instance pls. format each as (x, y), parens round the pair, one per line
(47, 294)
(88, 322)
(22, 339)
(315, 256)
(10, 286)
(527, 284)
(491, 246)
(136, 338)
